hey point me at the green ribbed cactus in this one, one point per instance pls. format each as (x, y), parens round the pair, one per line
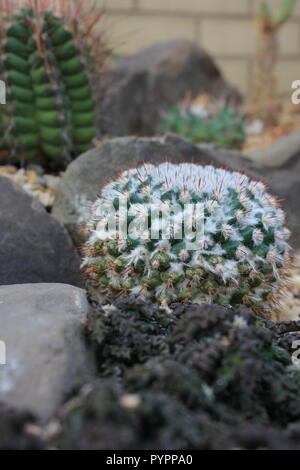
(50, 108)
(240, 257)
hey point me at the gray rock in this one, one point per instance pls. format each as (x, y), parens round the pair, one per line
(277, 154)
(42, 326)
(141, 87)
(86, 175)
(34, 247)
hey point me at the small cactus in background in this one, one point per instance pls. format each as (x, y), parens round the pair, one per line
(242, 257)
(46, 63)
(224, 129)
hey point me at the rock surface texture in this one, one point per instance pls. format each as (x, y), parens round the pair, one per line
(42, 326)
(141, 87)
(34, 247)
(280, 152)
(85, 176)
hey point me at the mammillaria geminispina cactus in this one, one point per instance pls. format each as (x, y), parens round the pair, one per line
(234, 252)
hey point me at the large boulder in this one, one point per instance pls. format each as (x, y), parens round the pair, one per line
(86, 175)
(42, 326)
(141, 87)
(34, 247)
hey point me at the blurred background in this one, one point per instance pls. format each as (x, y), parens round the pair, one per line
(225, 29)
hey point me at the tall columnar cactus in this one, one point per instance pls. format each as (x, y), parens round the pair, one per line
(242, 255)
(50, 106)
(264, 101)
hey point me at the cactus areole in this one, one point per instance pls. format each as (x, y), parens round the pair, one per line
(233, 252)
(50, 108)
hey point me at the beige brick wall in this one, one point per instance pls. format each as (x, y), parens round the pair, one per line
(225, 28)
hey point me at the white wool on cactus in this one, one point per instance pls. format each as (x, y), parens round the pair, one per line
(233, 252)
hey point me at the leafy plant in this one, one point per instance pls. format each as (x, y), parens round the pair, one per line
(128, 332)
(225, 129)
(48, 61)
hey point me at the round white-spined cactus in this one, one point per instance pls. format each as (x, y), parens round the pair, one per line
(188, 232)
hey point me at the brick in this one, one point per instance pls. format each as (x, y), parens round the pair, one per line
(289, 38)
(197, 6)
(228, 36)
(133, 32)
(119, 4)
(287, 72)
(236, 72)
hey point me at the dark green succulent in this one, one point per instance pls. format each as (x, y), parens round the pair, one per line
(205, 377)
